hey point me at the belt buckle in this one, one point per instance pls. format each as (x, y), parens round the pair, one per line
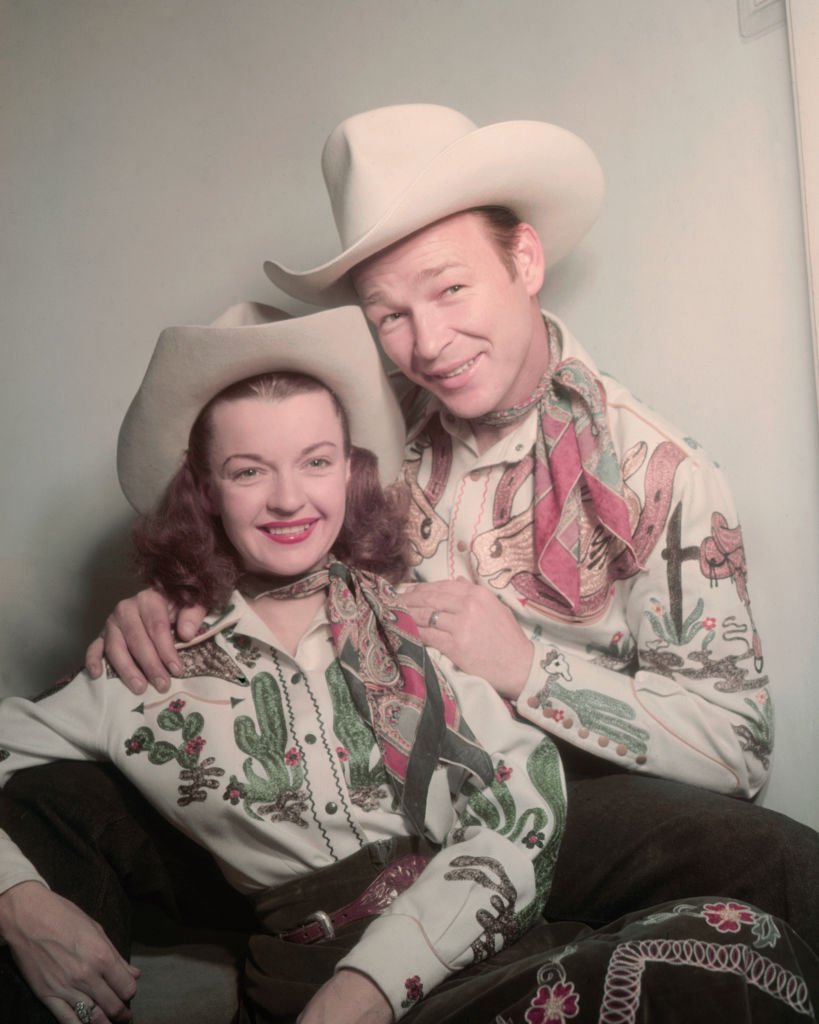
(324, 922)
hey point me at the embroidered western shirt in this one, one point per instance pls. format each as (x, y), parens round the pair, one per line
(660, 669)
(263, 759)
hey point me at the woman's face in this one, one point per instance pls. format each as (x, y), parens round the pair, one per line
(278, 479)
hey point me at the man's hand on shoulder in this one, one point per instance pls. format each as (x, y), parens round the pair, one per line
(474, 629)
(138, 641)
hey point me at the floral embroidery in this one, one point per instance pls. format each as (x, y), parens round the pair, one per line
(728, 917)
(176, 705)
(710, 623)
(532, 839)
(135, 744)
(234, 791)
(503, 773)
(343, 753)
(415, 992)
(553, 1004)
(195, 746)
(292, 757)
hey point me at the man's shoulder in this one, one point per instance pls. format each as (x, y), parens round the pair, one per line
(633, 421)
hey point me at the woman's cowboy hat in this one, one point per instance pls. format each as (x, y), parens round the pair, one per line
(191, 365)
(395, 170)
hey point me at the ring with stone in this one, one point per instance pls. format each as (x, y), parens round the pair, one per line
(84, 1011)
(433, 619)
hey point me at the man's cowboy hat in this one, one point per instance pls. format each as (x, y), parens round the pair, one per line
(191, 365)
(395, 170)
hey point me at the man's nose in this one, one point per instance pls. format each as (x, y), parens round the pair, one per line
(431, 334)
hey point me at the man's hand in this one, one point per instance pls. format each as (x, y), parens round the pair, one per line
(474, 630)
(65, 956)
(347, 998)
(138, 642)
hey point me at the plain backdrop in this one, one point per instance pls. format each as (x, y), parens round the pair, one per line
(155, 153)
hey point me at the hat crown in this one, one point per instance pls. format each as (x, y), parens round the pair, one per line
(371, 159)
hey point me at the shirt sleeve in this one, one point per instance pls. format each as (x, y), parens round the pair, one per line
(64, 724)
(490, 880)
(681, 692)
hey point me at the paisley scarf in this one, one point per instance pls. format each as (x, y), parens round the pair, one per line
(575, 461)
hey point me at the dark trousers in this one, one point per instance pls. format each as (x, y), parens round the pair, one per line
(631, 843)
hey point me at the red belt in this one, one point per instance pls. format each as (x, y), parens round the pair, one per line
(378, 895)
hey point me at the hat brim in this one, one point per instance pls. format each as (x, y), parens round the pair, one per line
(191, 365)
(546, 175)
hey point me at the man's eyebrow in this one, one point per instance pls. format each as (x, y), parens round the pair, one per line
(428, 274)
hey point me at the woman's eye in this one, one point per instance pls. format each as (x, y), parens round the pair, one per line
(318, 463)
(245, 474)
(453, 289)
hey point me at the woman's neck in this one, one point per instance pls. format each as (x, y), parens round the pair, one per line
(288, 619)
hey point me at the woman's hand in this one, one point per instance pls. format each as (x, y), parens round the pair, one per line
(65, 956)
(347, 998)
(474, 629)
(138, 642)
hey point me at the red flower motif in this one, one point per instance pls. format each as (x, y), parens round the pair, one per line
(709, 623)
(618, 636)
(343, 753)
(553, 1004)
(558, 715)
(415, 991)
(503, 773)
(195, 746)
(292, 757)
(728, 917)
(176, 705)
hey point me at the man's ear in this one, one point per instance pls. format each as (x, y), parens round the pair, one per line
(529, 258)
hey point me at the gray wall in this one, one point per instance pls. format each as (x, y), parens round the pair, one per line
(154, 153)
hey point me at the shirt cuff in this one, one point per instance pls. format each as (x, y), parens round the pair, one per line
(395, 955)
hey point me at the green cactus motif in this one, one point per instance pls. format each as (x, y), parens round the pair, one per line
(495, 808)
(196, 778)
(665, 629)
(604, 715)
(279, 791)
(367, 784)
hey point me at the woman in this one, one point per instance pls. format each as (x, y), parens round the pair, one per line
(310, 736)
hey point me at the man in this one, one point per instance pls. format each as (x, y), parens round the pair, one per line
(572, 547)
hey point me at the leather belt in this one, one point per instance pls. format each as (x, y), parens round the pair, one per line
(378, 895)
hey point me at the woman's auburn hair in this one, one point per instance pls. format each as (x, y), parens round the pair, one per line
(183, 550)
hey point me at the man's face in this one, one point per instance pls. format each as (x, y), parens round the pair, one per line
(453, 319)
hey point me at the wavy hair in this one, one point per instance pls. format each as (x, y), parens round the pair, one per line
(182, 548)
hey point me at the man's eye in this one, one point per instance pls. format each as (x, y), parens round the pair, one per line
(390, 318)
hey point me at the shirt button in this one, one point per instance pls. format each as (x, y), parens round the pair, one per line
(309, 738)
(297, 677)
(475, 475)
(518, 447)
(331, 808)
(462, 546)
